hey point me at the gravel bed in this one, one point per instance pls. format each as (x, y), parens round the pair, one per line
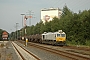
(26, 55)
(42, 54)
(7, 52)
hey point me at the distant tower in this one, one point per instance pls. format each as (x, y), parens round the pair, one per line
(49, 14)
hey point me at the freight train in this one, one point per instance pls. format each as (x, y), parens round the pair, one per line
(54, 38)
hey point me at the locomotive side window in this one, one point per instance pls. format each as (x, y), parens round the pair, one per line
(58, 35)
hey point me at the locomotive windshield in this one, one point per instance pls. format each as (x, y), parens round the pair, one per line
(62, 35)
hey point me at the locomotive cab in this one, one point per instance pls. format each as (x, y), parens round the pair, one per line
(61, 37)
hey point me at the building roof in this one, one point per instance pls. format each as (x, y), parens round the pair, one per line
(5, 33)
(50, 9)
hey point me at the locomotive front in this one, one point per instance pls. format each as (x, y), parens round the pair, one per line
(60, 37)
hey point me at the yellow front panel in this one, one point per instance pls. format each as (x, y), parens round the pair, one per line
(60, 38)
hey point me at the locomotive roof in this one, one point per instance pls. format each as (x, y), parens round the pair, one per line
(59, 32)
(53, 33)
(5, 33)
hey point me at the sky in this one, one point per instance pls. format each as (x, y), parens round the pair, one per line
(11, 10)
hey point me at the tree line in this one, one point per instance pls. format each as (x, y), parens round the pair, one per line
(75, 25)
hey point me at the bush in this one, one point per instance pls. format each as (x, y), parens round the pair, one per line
(88, 42)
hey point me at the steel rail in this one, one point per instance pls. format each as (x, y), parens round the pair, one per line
(18, 52)
(59, 52)
(29, 52)
(63, 53)
(78, 48)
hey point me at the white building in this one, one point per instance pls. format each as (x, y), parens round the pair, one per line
(49, 14)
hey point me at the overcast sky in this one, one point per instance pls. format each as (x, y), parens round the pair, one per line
(11, 10)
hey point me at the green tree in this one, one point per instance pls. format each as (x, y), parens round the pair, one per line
(55, 24)
(1, 34)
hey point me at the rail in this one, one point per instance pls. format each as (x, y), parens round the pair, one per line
(22, 55)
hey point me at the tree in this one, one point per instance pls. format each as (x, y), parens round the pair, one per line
(55, 25)
(1, 34)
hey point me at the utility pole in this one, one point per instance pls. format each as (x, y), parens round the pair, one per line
(16, 30)
(22, 19)
(22, 23)
(10, 35)
(30, 14)
(30, 18)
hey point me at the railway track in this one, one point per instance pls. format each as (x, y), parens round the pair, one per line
(78, 48)
(63, 53)
(24, 53)
(66, 54)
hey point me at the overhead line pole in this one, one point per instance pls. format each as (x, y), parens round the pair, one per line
(16, 30)
(30, 18)
(30, 14)
(22, 19)
(22, 23)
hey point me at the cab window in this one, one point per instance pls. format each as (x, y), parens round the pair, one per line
(62, 35)
(58, 35)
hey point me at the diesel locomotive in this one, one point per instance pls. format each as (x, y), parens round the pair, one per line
(54, 38)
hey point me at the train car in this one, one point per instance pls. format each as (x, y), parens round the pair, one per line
(54, 38)
(35, 38)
